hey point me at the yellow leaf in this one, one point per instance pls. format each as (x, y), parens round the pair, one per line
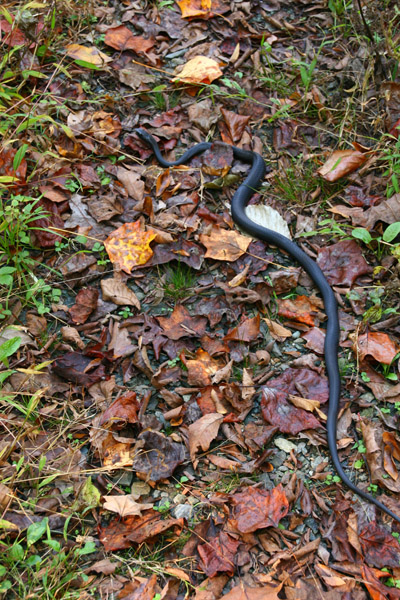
(90, 55)
(129, 246)
(199, 69)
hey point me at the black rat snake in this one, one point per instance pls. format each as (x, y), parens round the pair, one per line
(239, 202)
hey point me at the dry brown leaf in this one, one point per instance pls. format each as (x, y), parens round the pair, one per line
(115, 290)
(124, 505)
(278, 331)
(202, 432)
(341, 163)
(225, 245)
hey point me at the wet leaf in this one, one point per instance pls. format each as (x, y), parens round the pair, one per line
(123, 410)
(122, 533)
(376, 344)
(156, 455)
(180, 324)
(247, 331)
(218, 555)
(243, 592)
(79, 369)
(85, 304)
(300, 309)
(380, 548)
(122, 38)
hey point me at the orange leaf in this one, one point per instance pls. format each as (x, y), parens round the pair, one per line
(122, 38)
(376, 344)
(341, 163)
(129, 246)
(202, 8)
(199, 69)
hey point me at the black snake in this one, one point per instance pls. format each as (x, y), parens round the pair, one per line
(239, 202)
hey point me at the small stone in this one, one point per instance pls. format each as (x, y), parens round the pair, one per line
(140, 488)
(179, 499)
(183, 511)
(285, 445)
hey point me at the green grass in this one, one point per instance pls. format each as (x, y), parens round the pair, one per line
(179, 281)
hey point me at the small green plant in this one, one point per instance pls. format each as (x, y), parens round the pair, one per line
(163, 508)
(40, 565)
(360, 446)
(358, 464)
(332, 479)
(179, 281)
(373, 488)
(125, 312)
(378, 244)
(182, 480)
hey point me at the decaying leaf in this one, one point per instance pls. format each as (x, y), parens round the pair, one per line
(124, 505)
(256, 508)
(91, 54)
(202, 432)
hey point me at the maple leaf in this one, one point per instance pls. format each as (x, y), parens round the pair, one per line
(256, 508)
(129, 246)
(376, 344)
(124, 505)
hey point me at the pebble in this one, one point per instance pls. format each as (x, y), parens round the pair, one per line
(285, 445)
(278, 459)
(183, 511)
(179, 499)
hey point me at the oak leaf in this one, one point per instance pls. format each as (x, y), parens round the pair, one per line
(115, 290)
(125, 505)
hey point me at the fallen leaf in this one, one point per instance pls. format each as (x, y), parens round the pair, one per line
(123, 410)
(256, 508)
(91, 54)
(218, 555)
(342, 263)
(376, 344)
(115, 290)
(201, 369)
(243, 592)
(202, 9)
(78, 369)
(277, 331)
(156, 455)
(85, 304)
(199, 69)
(300, 309)
(122, 38)
(202, 432)
(180, 324)
(341, 163)
(278, 411)
(122, 533)
(247, 331)
(129, 246)
(380, 548)
(125, 505)
(225, 245)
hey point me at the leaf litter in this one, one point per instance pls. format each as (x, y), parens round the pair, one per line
(170, 406)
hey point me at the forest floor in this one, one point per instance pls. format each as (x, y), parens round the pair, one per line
(163, 388)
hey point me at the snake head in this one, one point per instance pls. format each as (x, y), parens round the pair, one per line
(143, 134)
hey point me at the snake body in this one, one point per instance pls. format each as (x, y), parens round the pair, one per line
(239, 202)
